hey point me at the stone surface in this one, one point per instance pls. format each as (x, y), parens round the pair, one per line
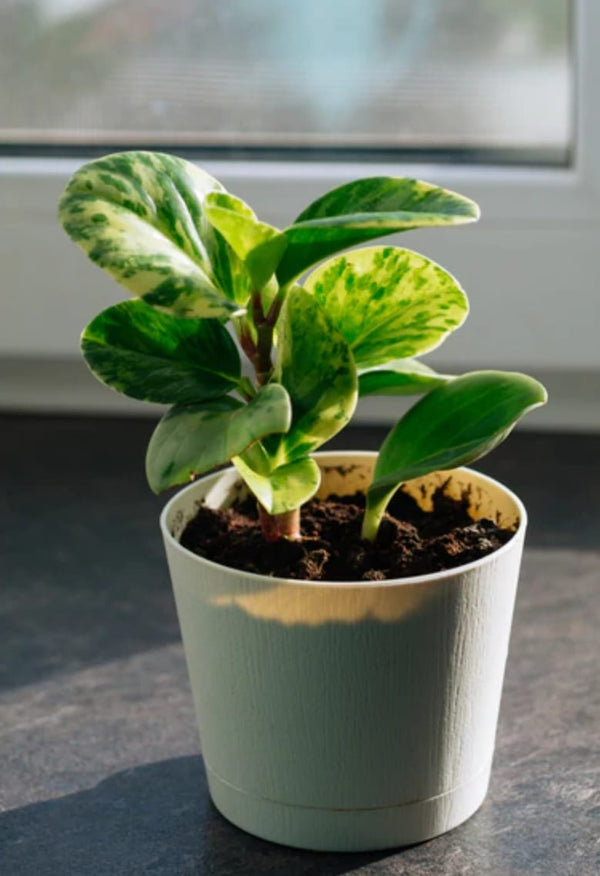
(100, 766)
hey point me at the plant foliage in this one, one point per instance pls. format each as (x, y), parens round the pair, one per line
(211, 281)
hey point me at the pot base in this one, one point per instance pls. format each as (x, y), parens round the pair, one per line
(348, 830)
(322, 704)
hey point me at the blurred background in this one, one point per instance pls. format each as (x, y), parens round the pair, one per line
(493, 77)
(283, 101)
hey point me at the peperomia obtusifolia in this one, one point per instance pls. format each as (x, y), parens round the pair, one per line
(199, 261)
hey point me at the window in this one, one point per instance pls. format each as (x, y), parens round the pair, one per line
(387, 78)
(494, 99)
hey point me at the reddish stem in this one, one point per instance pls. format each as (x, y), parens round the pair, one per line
(277, 526)
(264, 332)
(274, 526)
(248, 345)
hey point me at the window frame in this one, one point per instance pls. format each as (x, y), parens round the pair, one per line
(277, 183)
(535, 203)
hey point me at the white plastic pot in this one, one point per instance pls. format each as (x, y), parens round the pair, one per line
(347, 716)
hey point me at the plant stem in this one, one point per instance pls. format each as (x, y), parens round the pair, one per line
(247, 344)
(373, 515)
(287, 524)
(278, 526)
(370, 527)
(262, 362)
(265, 325)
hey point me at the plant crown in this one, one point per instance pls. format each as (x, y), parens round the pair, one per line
(205, 272)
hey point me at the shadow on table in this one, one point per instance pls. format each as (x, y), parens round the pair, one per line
(84, 575)
(153, 819)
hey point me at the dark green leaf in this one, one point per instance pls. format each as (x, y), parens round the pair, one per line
(193, 439)
(154, 357)
(400, 377)
(455, 424)
(363, 210)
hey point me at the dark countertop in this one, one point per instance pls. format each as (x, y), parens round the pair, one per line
(100, 766)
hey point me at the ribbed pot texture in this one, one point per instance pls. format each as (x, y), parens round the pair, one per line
(347, 716)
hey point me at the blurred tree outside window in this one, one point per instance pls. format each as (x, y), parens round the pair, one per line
(488, 78)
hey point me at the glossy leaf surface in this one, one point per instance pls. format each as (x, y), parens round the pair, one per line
(280, 489)
(388, 303)
(151, 356)
(454, 425)
(400, 377)
(138, 215)
(363, 210)
(316, 367)
(258, 245)
(192, 439)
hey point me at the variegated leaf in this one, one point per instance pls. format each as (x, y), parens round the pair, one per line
(400, 377)
(154, 357)
(316, 367)
(138, 215)
(283, 488)
(258, 245)
(388, 303)
(363, 210)
(192, 439)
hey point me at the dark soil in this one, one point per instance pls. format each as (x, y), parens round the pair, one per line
(410, 541)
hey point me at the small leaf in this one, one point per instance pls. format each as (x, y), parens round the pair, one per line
(400, 377)
(388, 303)
(258, 245)
(455, 424)
(193, 439)
(281, 489)
(229, 271)
(138, 215)
(363, 210)
(316, 367)
(154, 357)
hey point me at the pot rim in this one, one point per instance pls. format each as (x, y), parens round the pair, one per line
(442, 575)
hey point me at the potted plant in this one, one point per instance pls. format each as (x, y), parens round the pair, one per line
(344, 714)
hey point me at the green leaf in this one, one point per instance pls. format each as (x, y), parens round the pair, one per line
(230, 273)
(455, 424)
(400, 377)
(154, 357)
(138, 215)
(388, 303)
(280, 489)
(193, 439)
(316, 367)
(363, 210)
(258, 245)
